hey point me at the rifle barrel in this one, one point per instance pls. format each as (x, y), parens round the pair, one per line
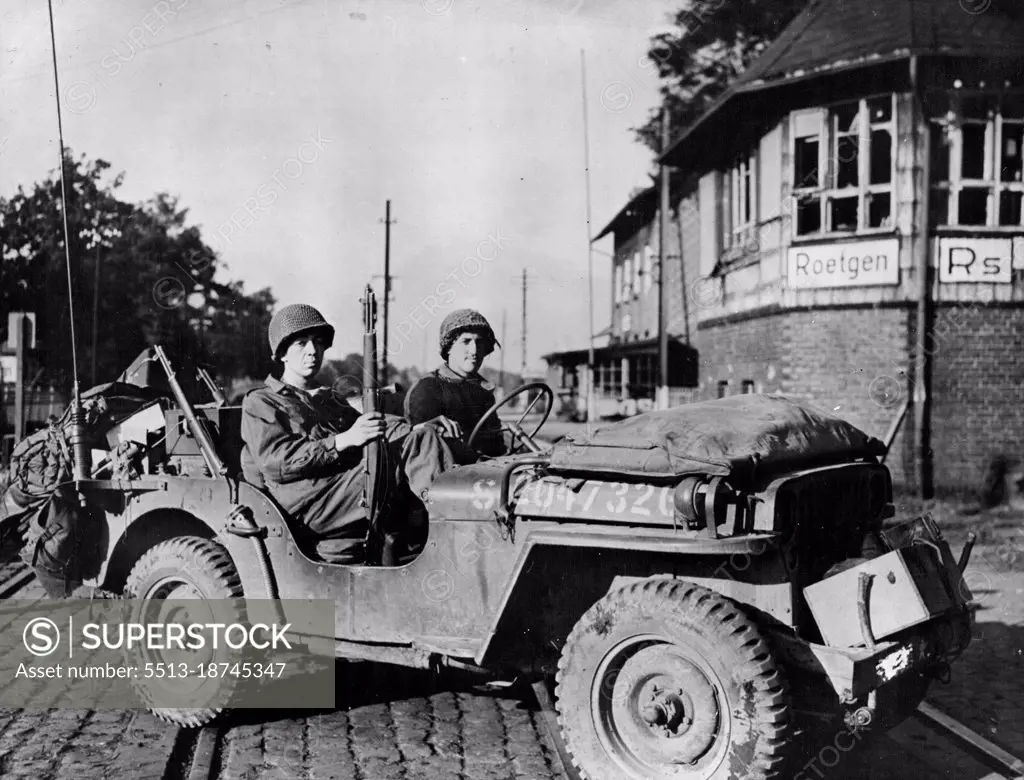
(213, 461)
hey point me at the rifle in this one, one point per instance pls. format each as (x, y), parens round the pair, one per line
(372, 452)
(213, 461)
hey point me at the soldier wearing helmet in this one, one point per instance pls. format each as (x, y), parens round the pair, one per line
(305, 445)
(456, 389)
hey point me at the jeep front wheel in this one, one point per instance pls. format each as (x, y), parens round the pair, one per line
(665, 679)
(175, 582)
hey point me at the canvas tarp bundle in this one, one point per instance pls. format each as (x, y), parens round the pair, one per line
(44, 459)
(714, 437)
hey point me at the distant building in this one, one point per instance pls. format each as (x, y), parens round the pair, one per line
(626, 352)
(812, 245)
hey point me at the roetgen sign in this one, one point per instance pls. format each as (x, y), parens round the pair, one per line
(846, 264)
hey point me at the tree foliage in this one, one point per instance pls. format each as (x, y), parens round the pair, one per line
(712, 43)
(148, 273)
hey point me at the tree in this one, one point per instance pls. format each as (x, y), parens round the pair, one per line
(714, 42)
(149, 275)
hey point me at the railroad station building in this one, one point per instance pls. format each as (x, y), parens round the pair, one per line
(846, 228)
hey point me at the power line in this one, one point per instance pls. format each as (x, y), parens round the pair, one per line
(149, 47)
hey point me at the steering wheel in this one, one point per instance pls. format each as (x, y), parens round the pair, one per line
(525, 439)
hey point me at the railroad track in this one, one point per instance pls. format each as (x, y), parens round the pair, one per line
(395, 724)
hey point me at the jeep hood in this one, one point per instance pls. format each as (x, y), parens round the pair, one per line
(727, 436)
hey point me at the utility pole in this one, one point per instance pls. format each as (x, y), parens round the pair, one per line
(662, 400)
(19, 381)
(921, 397)
(95, 312)
(591, 390)
(387, 291)
(524, 326)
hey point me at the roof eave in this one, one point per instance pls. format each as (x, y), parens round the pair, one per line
(795, 77)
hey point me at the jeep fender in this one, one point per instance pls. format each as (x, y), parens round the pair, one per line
(560, 573)
(189, 507)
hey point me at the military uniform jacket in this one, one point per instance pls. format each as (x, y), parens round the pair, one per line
(463, 399)
(289, 440)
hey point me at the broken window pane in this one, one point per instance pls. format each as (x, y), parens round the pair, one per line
(1013, 138)
(1009, 207)
(973, 206)
(973, 157)
(879, 209)
(880, 109)
(748, 195)
(846, 161)
(939, 207)
(977, 106)
(808, 215)
(881, 157)
(844, 213)
(937, 104)
(939, 154)
(846, 117)
(1013, 106)
(806, 169)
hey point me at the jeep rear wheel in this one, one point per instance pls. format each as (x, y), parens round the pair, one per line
(665, 679)
(186, 569)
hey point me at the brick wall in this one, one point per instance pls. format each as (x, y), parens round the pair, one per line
(853, 363)
(977, 391)
(750, 349)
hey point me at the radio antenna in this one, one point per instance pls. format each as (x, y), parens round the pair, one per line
(79, 444)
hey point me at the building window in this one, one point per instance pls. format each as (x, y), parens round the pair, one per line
(748, 386)
(648, 272)
(742, 215)
(638, 274)
(624, 280)
(843, 167)
(723, 388)
(977, 163)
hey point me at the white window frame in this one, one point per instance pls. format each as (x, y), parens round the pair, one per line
(638, 273)
(995, 129)
(741, 217)
(627, 278)
(648, 272)
(827, 189)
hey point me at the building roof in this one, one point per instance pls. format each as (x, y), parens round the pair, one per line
(831, 34)
(621, 349)
(639, 210)
(836, 35)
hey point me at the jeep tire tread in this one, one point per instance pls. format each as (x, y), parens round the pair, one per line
(666, 679)
(205, 567)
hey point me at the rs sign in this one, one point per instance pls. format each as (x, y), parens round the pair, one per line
(971, 260)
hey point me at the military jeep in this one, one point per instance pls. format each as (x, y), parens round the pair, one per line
(701, 585)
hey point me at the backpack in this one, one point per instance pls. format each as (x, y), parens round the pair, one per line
(44, 459)
(61, 542)
(39, 463)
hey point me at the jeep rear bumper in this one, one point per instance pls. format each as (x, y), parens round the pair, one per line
(853, 672)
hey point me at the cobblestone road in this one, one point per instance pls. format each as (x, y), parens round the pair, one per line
(396, 725)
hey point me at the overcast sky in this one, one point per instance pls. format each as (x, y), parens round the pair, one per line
(285, 126)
